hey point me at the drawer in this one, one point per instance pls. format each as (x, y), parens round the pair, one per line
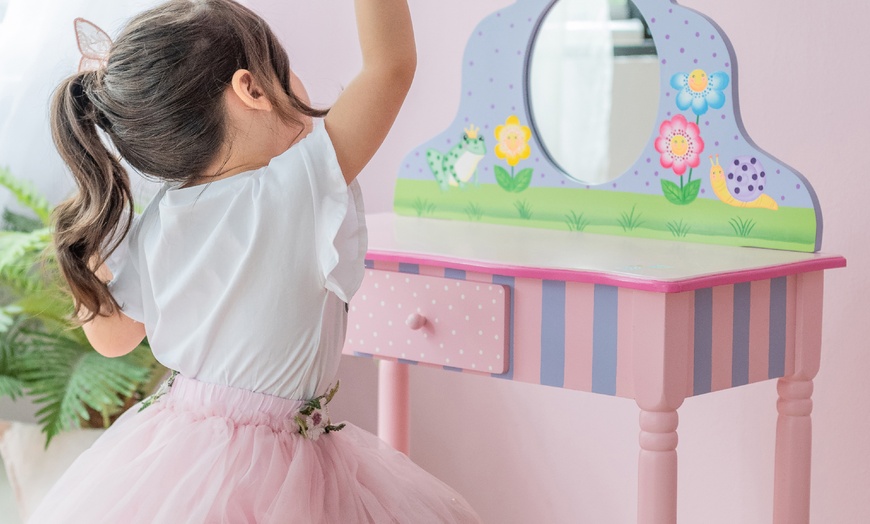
(446, 322)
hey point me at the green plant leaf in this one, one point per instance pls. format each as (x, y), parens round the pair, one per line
(26, 195)
(672, 192)
(522, 180)
(504, 178)
(691, 190)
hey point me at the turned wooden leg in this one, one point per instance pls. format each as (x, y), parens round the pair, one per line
(393, 396)
(661, 336)
(791, 491)
(657, 467)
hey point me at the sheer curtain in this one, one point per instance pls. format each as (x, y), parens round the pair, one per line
(37, 50)
(571, 84)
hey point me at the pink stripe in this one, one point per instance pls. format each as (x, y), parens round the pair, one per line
(790, 321)
(527, 330)
(759, 330)
(579, 311)
(385, 265)
(432, 271)
(624, 357)
(723, 337)
(659, 286)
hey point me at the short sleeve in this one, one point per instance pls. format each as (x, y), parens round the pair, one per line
(126, 285)
(339, 217)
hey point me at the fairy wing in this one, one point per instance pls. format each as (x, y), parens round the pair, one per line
(93, 43)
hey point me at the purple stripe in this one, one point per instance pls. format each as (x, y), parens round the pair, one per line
(778, 306)
(604, 333)
(413, 269)
(703, 341)
(370, 264)
(457, 274)
(740, 344)
(553, 333)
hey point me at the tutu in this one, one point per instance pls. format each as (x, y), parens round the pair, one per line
(204, 453)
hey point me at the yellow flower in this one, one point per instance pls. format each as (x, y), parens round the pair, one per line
(513, 141)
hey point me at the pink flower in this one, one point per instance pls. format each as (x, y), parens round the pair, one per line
(680, 144)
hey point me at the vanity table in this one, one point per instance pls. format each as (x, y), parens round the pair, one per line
(632, 286)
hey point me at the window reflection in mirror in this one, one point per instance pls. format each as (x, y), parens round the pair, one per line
(593, 87)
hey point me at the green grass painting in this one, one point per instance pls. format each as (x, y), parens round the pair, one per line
(624, 214)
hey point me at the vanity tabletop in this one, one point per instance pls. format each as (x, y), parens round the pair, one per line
(652, 265)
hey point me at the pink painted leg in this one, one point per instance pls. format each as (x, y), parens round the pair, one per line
(393, 396)
(791, 492)
(661, 338)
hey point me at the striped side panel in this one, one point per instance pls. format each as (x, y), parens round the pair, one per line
(742, 334)
(552, 333)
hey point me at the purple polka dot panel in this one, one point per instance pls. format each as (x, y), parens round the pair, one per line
(570, 118)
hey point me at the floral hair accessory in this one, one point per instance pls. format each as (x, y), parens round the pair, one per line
(94, 44)
(312, 420)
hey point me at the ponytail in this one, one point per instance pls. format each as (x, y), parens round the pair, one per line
(90, 225)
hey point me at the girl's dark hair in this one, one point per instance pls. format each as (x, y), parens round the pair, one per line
(160, 101)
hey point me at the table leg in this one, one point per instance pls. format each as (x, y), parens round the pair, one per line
(661, 336)
(791, 491)
(393, 395)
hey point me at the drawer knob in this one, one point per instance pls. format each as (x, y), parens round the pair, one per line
(415, 321)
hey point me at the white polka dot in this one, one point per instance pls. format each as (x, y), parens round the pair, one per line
(467, 317)
(383, 303)
(387, 276)
(493, 319)
(389, 322)
(473, 365)
(353, 308)
(403, 355)
(375, 334)
(490, 368)
(357, 326)
(427, 286)
(408, 341)
(496, 337)
(390, 343)
(498, 357)
(446, 288)
(422, 355)
(361, 342)
(441, 345)
(425, 335)
(452, 331)
(480, 306)
(433, 301)
(371, 273)
(377, 350)
(350, 341)
(371, 315)
(418, 310)
(457, 284)
(447, 360)
(501, 291)
(407, 280)
(462, 296)
(392, 288)
(494, 301)
(450, 307)
(480, 352)
(377, 285)
(490, 288)
(480, 332)
(477, 288)
(415, 294)
(398, 306)
(436, 320)
(364, 297)
(461, 351)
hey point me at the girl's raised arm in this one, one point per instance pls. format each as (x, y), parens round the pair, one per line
(362, 116)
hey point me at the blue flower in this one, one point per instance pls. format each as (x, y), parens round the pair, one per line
(700, 91)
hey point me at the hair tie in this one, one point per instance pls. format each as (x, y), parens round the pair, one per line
(93, 43)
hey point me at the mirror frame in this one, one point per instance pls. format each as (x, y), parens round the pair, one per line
(488, 165)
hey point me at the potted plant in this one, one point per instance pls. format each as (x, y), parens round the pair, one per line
(43, 355)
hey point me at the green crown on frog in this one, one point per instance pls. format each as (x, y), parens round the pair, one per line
(459, 165)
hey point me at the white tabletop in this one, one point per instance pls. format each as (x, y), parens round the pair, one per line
(657, 265)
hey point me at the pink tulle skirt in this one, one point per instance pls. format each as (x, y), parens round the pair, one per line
(212, 454)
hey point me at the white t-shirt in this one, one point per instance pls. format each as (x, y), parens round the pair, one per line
(244, 281)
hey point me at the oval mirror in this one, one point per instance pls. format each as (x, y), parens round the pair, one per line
(593, 87)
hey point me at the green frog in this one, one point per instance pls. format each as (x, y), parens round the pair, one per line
(459, 165)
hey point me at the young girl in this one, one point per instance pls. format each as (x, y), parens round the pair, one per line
(239, 273)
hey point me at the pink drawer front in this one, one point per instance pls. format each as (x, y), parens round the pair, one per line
(432, 320)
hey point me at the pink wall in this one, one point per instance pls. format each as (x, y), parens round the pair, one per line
(525, 454)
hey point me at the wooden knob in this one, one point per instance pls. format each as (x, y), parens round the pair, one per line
(415, 321)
